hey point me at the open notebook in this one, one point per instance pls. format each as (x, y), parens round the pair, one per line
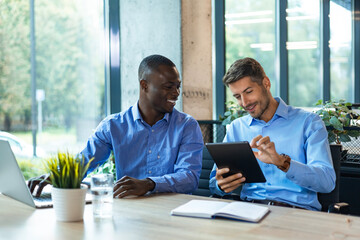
(12, 182)
(232, 210)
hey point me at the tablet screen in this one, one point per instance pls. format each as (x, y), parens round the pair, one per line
(238, 157)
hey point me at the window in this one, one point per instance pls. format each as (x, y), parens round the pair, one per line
(249, 30)
(303, 52)
(340, 51)
(69, 71)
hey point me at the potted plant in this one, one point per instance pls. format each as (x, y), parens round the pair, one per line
(233, 111)
(340, 122)
(339, 118)
(68, 194)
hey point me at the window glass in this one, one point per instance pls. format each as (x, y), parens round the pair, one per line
(69, 72)
(303, 52)
(250, 32)
(340, 51)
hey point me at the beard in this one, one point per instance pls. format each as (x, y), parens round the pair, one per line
(263, 104)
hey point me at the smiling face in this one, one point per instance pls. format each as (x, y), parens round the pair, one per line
(255, 98)
(162, 88)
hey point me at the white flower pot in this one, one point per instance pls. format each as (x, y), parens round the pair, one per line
(69, 204)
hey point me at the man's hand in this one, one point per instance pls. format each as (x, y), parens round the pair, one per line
(267, 152)
(127, 186)
(229, 183)
(41, 182)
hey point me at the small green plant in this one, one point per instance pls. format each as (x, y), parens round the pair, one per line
(66, 170)
(338, 115)
(233, 111)
(108, 167)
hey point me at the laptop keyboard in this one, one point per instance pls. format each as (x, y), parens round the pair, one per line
(44, 197)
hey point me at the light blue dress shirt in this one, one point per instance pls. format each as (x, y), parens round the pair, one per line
(169, 152)
(301, 135)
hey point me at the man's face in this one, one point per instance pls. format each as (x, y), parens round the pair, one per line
(254, 98)
(163, 88)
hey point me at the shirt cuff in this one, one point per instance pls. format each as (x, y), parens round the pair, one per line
(158, 184)
(294, 169)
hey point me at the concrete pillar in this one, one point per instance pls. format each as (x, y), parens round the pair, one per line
(196, 58)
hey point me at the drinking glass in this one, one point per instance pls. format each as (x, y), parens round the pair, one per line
(102, 195)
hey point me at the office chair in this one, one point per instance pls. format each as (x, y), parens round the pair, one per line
(207, 165)
(330, 201)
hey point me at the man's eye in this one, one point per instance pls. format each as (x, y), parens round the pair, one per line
(249, 92)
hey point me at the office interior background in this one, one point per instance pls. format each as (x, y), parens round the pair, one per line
(65, 65)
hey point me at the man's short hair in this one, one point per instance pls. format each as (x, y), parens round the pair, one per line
(246, 67)
(151, 63)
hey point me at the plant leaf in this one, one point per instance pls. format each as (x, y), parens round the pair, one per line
(336, 123)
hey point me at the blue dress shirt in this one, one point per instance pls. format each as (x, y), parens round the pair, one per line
(169, 152)
(301, 135)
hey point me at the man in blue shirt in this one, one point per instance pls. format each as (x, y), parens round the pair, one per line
(156, 147)
(290, 144)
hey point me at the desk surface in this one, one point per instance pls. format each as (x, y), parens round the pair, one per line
(149, 218)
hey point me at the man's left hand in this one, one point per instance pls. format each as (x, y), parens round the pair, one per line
(128, 186)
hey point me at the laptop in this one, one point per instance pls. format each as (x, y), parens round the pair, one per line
(239, 158)
(13, 184)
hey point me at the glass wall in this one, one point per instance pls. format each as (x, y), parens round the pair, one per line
(70, 69)
(249, 32)
(69, 73)
(303, 52)
(341, 61)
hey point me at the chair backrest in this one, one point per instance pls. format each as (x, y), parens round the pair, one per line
(327, 199)
(207, 165)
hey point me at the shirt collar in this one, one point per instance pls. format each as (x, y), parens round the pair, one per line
(137, 115)
(281, 111)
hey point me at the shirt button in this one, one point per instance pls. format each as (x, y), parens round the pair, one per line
(149, 171)
(152, 130)
(158, 156)
(149, 151)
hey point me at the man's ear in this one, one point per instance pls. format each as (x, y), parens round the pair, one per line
(266, 83)
(143, 85)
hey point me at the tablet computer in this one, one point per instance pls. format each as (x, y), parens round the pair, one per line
(239, 158)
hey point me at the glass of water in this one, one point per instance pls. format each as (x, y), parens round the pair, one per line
(102, 195)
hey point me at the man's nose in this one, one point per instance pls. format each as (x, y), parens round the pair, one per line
(244, 101)
(176, 91)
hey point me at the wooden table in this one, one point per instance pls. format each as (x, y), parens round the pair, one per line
(149, 218)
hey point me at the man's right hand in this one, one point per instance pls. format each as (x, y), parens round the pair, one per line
(229, 183)
(40, 182)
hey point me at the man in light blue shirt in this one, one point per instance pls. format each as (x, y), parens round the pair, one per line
(156, 147)
(290, 144)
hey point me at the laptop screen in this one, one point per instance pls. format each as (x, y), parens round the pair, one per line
(12, 182)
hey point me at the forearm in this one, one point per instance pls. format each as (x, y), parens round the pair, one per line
(315, 177)
(180, 182)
